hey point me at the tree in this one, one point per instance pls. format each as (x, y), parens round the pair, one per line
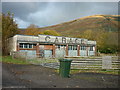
(107, 42)
(111, 43)
(32, 30)
(88, 34)
(0, 33)
(9, 29)
(51, 32)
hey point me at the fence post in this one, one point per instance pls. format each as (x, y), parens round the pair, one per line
(107, 62)
(26, 56)
(12, 55)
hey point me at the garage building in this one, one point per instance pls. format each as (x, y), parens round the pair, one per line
(48, 46)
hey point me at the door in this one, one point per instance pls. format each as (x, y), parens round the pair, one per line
(60, 51)
(41, 53)
(83, 51)
(48, 53)
(29, 53)
(91, 51)
(72, 50)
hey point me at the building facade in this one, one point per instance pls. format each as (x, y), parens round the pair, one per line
(52, 46)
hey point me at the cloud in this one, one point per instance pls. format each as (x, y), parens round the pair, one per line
(50, 13)
(21, 23)
(22, 9)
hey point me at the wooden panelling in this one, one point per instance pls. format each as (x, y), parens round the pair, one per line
(17, 47)
(78, 50)
(48, 47)
(53, 50)
(66, 50)
(37, 49)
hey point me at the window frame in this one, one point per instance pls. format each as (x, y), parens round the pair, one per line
(27, 45)
(91, 48)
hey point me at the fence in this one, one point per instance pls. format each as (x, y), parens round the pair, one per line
(29, 55)
(105, 62)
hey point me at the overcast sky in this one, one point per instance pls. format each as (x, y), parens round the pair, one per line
(50, 13)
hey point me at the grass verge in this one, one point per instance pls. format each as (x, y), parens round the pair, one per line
(75, 71)
(41, 61)
(115, 72)
(9, 59)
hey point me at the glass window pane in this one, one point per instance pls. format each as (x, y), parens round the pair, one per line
(21, 45)
(69, 47)
(34, 44)
(30, 45)
(25, 45)
(91, 48)
(74, 47)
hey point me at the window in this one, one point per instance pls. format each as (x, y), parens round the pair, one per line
(74, 47)
(91, 48)
(26, 45)
(61, 47)
(83, 48)
(58, 46)
(69, 47)
(21, 45)
(30, 46)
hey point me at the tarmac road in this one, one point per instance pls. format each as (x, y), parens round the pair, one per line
(31, 76)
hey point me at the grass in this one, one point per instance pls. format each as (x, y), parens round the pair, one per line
(75, 71)
(9, 59)
(87, 57)
(40, 61)
(0, 58)
(115, 72)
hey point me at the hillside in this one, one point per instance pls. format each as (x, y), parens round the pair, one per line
(78, 26)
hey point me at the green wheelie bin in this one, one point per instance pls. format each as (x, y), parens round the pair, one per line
(64, 68)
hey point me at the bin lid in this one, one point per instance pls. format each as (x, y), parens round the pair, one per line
(65, 60)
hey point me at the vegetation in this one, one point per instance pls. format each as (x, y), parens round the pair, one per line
(9, 59)
(107, 42)
(32, 30)
(51, 32)
(116, 72)
(75, 71)
(42, 61)
(0, 33)
(9, 29)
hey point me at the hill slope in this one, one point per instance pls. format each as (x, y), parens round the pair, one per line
(78, 26)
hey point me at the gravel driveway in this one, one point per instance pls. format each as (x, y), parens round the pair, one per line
(34, 76)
